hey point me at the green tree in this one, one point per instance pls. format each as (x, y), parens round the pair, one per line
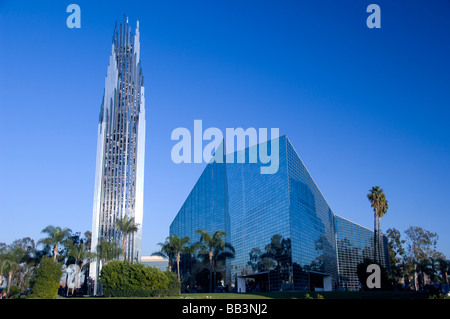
(167, 251)
(3, 267)
(397, 253)
(214, 249)
(56, 237)
(107, 251)
(444, 267)
(12, 261)
(174, 246)
(383, 208)
(81, 254)
(3, 262)
(421, 245)
(17, 261)
(434, 269)
(14, 290)
(126, 226)
(46, 281)
(87, 240)
(378, 202)
(28, 262)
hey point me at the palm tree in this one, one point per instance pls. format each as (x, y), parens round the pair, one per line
(126, 226)
(3, 267)
(220, 256)
(107, 251)
(3, 261)
(444, 267)
(382, 211)
(79, 251)
(26, 249)
(56, 237)
(87, 239)
(375, 197)
(215, 249)
(166, 252)
(174, 246)
(12, 267)
(11, 262)
(424, 268)
(434, 267)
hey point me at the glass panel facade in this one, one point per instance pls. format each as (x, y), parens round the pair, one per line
(258, 206)
(205, 208)
(355, 243)
(312, 226)
(281, 226)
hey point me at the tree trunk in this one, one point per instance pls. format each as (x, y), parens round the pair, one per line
(55, 252)
(178, 266)
(124, 245)
(214, 276)
(9, 282)
(415, 276)
(379, 240)
(78, 275)
(67, 283)
(210, 270)
(375, 236)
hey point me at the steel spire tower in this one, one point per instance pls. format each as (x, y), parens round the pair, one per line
(119, 175)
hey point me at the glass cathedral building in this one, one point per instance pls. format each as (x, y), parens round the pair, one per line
(119, 174)
(285, 235)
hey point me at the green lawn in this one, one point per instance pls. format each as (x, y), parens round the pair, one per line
(302, 295)
(288, 295)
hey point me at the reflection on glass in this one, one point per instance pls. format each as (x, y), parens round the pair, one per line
(285, 235)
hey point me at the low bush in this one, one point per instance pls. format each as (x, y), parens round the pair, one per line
(45, 284)
(123, 279)
(14, 290)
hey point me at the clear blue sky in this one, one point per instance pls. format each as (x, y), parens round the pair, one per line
(362, 107)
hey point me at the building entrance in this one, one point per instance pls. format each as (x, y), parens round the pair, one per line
(257, 282)
(319, 281)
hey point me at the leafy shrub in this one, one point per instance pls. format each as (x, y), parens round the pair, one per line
(46, 282)
(123, 279)
(318, 296)
(174, 285)
(14, 290)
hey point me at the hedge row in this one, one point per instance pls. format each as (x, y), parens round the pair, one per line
(123, 279)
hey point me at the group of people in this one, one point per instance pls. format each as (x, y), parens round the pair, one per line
(252, 286)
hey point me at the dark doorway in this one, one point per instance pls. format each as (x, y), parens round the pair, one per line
(316, 281)
(258, 282)
(320, 281)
